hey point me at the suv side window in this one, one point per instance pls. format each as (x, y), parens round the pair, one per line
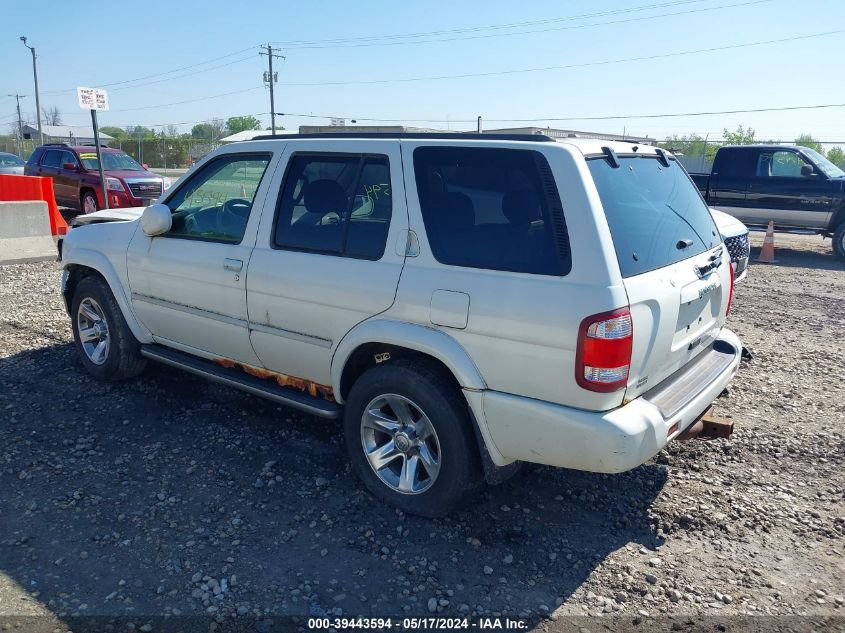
(69, 157)
(492, 208)
(338, 204)
(53, 158)
(780, 164)
(214, 204)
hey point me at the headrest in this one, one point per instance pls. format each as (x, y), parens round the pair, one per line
(325, 196)
(455, 210)
(521, 206)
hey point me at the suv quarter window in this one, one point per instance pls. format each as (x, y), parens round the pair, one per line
(214, 204)
(492, 208)
(335, 204)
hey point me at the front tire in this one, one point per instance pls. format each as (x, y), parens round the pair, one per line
(409, 437)
(839, 241)
(88, 202)
(104, 342)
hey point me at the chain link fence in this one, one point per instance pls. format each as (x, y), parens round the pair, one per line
(162, 153)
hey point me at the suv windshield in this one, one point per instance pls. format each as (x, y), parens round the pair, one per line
(655, 213)
(829, 169)
(112, 161)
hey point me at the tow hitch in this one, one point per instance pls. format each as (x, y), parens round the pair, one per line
(747, 356)
(707, 427)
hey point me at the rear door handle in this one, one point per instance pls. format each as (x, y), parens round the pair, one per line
(235, 265)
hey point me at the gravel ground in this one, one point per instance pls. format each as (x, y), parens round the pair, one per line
(172, 496)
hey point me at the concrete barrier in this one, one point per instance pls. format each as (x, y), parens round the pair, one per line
(25, 233)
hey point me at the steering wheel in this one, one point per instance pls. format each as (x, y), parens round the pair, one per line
(233, 210)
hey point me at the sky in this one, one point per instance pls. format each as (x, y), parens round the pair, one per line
(375, 61)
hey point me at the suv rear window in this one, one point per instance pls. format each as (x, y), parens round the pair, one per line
(492, 208)
(650, 210)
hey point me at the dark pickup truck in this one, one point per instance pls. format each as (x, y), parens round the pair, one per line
(794, 187)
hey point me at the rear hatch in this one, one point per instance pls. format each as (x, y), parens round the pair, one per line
(674, 267)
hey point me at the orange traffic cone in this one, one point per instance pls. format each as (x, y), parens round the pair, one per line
(767, 253)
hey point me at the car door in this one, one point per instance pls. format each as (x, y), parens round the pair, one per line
(66, 180)
(332, 254)
(788, 190)
(189, 285)
(729, 180)
(51, 164)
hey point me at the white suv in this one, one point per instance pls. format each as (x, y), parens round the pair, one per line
(463, 302)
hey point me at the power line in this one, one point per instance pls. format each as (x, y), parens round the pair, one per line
(607, 62)
(370, 38)
(168, 72)
(525, 32)
(573, 118)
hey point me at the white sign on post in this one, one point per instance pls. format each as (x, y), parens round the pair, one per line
(92, 98)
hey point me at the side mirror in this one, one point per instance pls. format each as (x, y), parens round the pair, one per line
(69, 166)
(156, 220)
(806, 171)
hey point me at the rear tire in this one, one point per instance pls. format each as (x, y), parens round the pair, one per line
(418, 422)
(88, 202)
(839, 241)
(105, 344)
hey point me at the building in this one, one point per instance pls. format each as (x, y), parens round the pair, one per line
(70, 134)
(559, 133)
(248, 135)
(372, 129)
(402, 129)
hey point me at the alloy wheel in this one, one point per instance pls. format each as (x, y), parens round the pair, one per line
(93, 331)
(400, 444)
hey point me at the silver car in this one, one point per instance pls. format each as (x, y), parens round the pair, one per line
(11, 164)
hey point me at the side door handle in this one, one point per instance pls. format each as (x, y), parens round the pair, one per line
(235, 265)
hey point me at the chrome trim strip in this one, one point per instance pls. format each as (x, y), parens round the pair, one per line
(216, 316)
(225, 380)
(295, 336)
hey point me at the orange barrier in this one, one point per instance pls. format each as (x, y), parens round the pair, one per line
(767, 253)
(27, 188)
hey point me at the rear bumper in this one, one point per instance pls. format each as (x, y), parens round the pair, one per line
(611, 441)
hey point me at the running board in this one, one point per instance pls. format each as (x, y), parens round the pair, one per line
(239, 380)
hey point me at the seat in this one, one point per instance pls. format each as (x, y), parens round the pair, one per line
(314, 230)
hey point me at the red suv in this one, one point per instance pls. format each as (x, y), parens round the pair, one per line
(76, 177)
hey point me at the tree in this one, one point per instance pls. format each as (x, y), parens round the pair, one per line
(690, 145)
(237, 124)
(209, 131)
(51, 116)
(836, 156)
(139, 131)
(114, 132)
(806, 140)
(741, 136)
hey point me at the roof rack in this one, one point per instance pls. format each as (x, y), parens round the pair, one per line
(461, 136)
(56, 145)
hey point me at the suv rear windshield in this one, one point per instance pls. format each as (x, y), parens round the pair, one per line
(652, 210)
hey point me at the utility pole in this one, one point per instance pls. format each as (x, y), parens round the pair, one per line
(271, 79)
(37, 96)
(20, 124)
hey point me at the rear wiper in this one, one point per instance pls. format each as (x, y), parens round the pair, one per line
(682, 244)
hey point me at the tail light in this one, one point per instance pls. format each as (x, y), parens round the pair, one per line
(731, 292)
(603, 358)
